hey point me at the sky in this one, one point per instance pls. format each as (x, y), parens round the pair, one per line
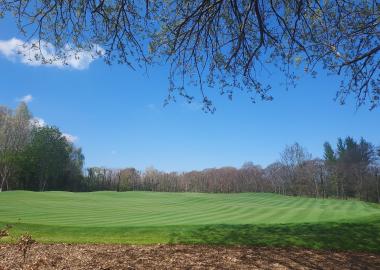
(116, 115)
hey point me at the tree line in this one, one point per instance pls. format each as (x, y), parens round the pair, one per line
(349, 171)
(35, 157)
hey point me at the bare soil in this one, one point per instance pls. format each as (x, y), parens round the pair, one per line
(66, 256)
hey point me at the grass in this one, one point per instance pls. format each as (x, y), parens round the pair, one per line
(147, 217)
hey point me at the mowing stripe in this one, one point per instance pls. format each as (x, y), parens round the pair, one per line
(113, 209)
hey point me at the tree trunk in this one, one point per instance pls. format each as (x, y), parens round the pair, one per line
(316, 189)
(337, 183)
(2, 184)
(4, 181)
(4, 175)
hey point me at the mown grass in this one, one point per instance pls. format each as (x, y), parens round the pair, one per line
(223, 219)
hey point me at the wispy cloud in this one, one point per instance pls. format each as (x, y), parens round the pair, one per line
(26, 99)
(36, 53)
(70, 138)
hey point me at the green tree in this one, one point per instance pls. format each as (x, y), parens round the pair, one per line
(74, 170)
(47, 157)
(350, 166)
(34, 157)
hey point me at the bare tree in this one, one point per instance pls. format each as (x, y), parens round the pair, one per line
(294, 158)
(220, 44)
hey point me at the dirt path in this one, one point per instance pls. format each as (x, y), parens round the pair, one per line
(62, 256)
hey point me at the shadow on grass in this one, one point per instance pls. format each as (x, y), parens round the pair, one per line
(328, 236)
(358, 236)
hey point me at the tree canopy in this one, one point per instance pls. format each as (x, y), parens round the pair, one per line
(219, 44)
(36, 157)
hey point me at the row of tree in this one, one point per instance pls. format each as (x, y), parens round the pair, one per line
(349, 171)
(36, 157)
(227, 179)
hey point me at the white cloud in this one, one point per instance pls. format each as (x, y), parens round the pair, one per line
(38, 122)
(26, 99)
(70, 138)
(36, 53)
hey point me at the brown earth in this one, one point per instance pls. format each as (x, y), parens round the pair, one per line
(65, 256)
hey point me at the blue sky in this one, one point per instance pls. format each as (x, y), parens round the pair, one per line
(118, 117)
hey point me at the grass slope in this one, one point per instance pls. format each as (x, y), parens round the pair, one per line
(147, 217)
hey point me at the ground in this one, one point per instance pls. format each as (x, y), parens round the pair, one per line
(68, 256)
